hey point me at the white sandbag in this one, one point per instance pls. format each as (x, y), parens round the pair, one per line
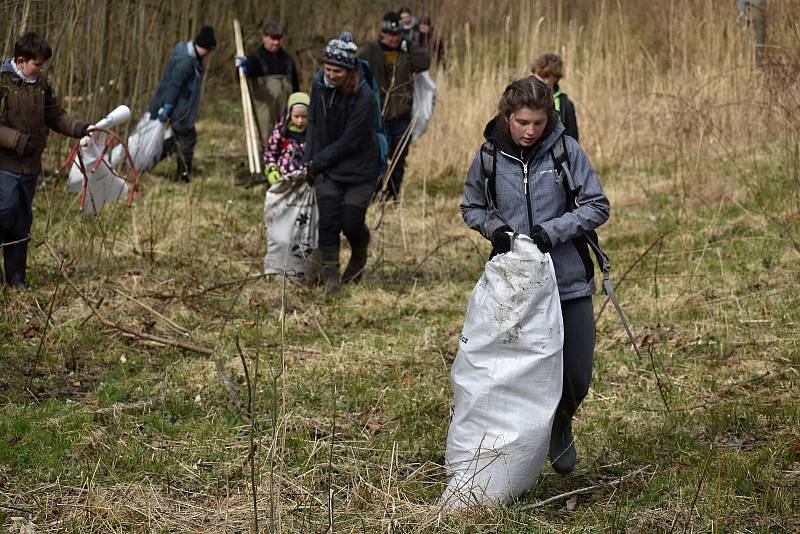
(291, 218)
(424, 102)
(145, 144)
(506, 380)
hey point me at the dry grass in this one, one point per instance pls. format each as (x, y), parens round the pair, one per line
(106, 433)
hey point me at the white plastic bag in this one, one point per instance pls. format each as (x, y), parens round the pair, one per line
(291, 218)
(145, 144)
(506, 380)
(424, 102)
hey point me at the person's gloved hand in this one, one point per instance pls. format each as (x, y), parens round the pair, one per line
(163, 115)
(272, 173)
(404, 46)
(542, 240)
(86, 130)
(241, 63)
(501, 241)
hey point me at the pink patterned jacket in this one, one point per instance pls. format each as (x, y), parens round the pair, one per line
(285, 149)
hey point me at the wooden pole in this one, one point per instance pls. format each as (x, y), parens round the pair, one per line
(252, 151)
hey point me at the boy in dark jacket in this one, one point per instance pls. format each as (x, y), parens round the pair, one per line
(29, 109)
(550, 69)
(177, 97)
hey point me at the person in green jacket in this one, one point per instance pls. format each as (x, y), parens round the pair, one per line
(550, 69)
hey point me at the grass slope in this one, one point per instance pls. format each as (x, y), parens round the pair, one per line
(101, 432)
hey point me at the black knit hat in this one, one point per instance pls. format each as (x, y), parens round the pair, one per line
(391, 23)
(206, 38)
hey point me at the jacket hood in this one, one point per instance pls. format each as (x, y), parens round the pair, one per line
(6, 66)
(496, 132)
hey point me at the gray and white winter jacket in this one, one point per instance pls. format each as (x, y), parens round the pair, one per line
(547, 201)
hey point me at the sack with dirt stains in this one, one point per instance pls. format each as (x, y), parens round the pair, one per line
(292, 219)
(506, 380)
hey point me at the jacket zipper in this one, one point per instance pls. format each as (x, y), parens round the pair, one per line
(525, 186)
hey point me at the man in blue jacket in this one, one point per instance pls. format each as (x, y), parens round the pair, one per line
(177, 98)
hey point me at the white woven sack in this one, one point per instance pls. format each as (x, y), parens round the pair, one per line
(145, 144)
(423, 104)
(506, 380)
(292, 220)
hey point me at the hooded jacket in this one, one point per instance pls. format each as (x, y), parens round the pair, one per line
(546, 200)
(566, 112)
(398, 90)
(29, 111)
(340, 137)
(181, 86)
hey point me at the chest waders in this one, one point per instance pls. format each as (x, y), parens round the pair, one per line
(561, 164)
(270, 94)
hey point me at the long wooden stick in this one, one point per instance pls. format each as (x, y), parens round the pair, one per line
(251, 156)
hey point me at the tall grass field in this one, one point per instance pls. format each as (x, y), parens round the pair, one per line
(152, 380)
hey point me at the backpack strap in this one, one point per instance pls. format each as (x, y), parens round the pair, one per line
(489, 171)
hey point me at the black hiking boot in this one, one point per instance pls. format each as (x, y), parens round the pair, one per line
(358, 260)
(330, 269)
(562, 445)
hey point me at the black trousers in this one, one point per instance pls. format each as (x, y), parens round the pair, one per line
(342, 209)
(579, 340)
(16, 218)
(395, 129)
(182, 142)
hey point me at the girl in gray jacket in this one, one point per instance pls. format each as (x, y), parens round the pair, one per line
(530, 198)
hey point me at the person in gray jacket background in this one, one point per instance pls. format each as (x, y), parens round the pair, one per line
(531, 200)
(177, 97)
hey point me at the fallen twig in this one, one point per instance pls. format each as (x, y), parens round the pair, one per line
(121, 327)
(172, 324)
(580, 491)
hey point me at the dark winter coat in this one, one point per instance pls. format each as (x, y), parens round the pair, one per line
(181, 85)
(566, 113)
(262, 62)
(398, 85)
(548, 203)
(340, 138)
(29, 111)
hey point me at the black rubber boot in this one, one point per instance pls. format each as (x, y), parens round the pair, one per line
(562, 445)
(16, 258)
(358, 260)
(330, 268)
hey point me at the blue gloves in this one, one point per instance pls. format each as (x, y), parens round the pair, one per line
(163, 115)
(240, 62)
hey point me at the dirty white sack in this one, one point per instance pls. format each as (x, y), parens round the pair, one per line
(506, 380)
(292, 219)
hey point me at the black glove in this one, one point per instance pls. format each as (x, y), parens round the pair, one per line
(542, 240)
(84, 131)
(501, 241)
